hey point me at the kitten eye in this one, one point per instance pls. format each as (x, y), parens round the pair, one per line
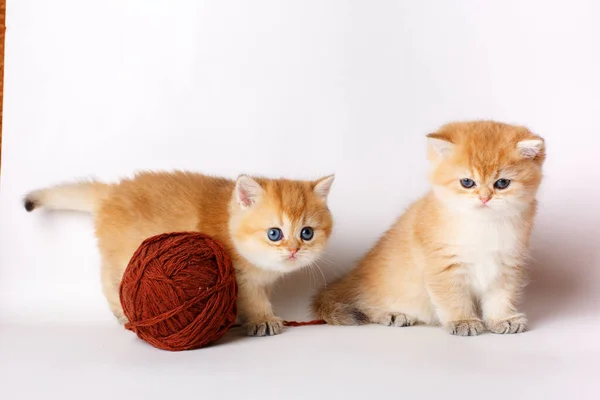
(501, 183)
(467, 183)
(307, 233)
(274, 234)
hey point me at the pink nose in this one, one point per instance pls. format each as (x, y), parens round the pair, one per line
(484, 199)
(293, 252)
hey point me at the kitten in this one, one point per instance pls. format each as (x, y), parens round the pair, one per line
(270, 227)
(457, 256)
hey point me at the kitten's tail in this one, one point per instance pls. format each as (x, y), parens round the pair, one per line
(338, 305)
(76, 196)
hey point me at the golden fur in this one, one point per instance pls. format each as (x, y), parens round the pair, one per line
(456, 257)
(236, 213)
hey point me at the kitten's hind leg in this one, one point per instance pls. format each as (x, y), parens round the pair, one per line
(391, 318)
(111, 281)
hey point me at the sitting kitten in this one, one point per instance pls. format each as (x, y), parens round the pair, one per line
(460, 250)
(270, 227)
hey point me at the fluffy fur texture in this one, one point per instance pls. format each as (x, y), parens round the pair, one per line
(239, 214)
(456, 257)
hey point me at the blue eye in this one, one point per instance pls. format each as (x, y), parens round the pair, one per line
(307, 233)
(274, 234)
(467, 183)
(501, 183)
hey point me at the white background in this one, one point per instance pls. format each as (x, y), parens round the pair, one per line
(297, 89)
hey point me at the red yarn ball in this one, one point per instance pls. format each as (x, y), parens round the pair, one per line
(179, 291)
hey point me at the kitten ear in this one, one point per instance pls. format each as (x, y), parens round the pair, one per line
(438, 147)
(530, 148)
(323, 186)
(247, 191)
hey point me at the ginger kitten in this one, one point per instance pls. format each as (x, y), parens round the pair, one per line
(457, 256)
(270, 227)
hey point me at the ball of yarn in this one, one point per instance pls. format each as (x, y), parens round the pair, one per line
(179, 292)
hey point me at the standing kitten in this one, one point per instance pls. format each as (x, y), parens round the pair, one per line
(270, 227)
(460, 251)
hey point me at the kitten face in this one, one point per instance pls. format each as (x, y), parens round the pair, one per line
(485, 167)
(281, 225)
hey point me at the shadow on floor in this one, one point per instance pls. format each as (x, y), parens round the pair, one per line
(564, 275)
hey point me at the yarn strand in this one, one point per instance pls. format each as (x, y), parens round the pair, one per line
(294, 323)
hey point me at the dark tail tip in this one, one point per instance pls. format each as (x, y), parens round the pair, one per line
(29, 204)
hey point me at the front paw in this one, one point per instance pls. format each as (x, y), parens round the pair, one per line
(269, 327)
(465, 327)
(516, 324)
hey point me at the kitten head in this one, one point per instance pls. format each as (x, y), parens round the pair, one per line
(278, 224)
(486, 167)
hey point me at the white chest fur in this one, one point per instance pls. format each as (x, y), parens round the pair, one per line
(485, 247)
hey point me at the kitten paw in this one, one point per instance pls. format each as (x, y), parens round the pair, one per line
(516, 324)
(467, 327)
(396, 319)
(120, 316)
(269, 327)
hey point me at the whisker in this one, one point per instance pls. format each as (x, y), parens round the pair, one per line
(312, 267)
(309, 272)
(329, 262)
(322, 274)
(323, 258)
(314, 275)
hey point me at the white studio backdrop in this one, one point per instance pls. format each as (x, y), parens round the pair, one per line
(294, 89)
